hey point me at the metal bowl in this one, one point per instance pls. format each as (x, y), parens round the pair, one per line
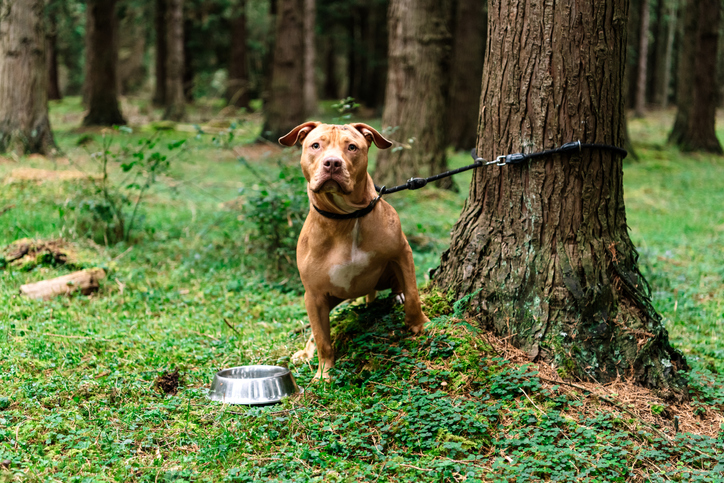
(253, 385)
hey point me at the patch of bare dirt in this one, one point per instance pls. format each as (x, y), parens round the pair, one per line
(168, 382)
(20, 175)
(257, 151)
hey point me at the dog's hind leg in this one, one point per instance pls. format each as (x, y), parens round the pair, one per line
(371, 296)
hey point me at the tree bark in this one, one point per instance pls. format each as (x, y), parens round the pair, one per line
(643, 54)
(51, 57)
(310, 58)
(694, 127)
(237, 89)
(102, 85)
(175, 100)
(417, 88)
(159, 22)
(466, 72)
(24, 125)
(543, 246)
(285, 106)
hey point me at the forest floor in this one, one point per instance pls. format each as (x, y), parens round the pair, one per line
(203, 283)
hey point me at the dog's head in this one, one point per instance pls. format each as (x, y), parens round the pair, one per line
(334, 158)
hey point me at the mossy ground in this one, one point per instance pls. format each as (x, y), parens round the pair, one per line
(82, 378)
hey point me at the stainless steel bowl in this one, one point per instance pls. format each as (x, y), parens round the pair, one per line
(253, 385)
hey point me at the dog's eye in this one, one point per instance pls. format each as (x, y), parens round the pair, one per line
(352, 147)
(315, 145)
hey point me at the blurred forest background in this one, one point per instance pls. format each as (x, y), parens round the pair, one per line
(282, 57)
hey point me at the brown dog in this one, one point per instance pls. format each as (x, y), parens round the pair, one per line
(343, 257)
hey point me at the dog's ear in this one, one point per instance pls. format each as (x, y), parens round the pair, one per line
(298, 134)
(372, 136)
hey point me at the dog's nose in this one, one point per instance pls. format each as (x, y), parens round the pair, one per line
(332, 164)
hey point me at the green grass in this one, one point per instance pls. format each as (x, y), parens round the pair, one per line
(77, 395)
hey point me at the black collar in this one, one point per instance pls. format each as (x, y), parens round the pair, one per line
(348, 216)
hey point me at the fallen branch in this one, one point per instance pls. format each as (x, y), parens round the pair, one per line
(85, 280)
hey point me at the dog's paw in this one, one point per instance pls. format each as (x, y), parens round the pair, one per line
(400, 299)
(302, 357)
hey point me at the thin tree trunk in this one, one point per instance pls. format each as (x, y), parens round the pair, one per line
(643, 54)
(669, 53)
(24, 125)
(175, 99)
(237, 89)
(656, 79)
(543, 246)
(310, 58)
(159, 22)
(634, 29)
(285, 107)
(694, 127)
(331, 86)
(102, 82)
(417, 88)
(466, 71)
(51, 57)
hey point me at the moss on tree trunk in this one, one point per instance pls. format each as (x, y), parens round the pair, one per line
(545, 243)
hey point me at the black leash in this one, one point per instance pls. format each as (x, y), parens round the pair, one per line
(515, 158)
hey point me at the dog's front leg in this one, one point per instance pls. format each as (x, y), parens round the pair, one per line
(318, 308)
(404, 269)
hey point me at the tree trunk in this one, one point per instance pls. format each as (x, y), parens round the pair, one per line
(634, 29)
(285, 107)
(466, 71)
(24, 125)
(643, 54)
(656, 88)
(543, 246)
(51, 57)
(159, 93)
(188, 61)
(175, 100)
(237, 89)
(697, 87)
(102, 85)
(417, 88)
(310, 58)
(331, 86)
(669, 53)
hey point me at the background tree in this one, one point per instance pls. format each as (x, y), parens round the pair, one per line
(102, 59)
(696, 100)
(643, 58)
(467, 68)
(284, 108)
(175, 99)
(417, 87)
(24, 125)
(237, 89)
(159, 22)
(665, 28)
(310, 57)
(51, 50)
(544, 245)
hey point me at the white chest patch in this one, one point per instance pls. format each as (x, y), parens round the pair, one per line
(343, 274)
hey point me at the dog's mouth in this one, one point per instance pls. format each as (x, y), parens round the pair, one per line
(330, 185)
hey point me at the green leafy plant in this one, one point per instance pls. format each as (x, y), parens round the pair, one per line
(345, 108)
(277, 212)
(108, 210)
